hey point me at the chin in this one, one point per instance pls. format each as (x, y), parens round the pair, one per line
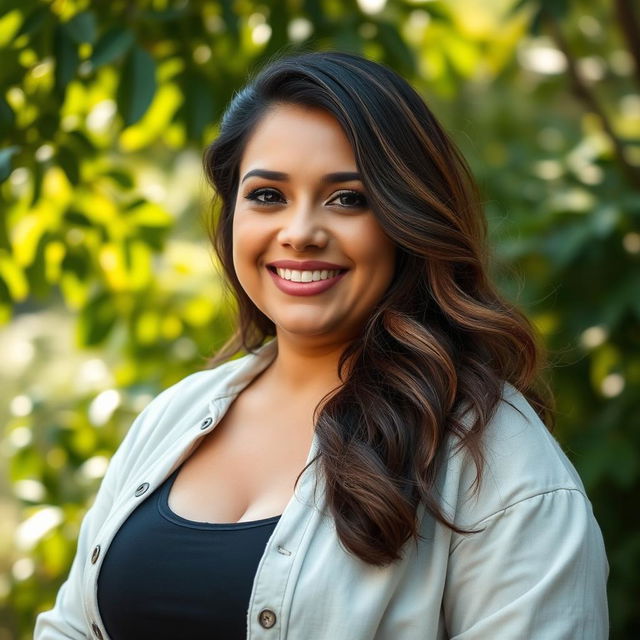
(305, 330)
(310, 328)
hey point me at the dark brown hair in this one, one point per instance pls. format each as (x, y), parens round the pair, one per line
(441, 342)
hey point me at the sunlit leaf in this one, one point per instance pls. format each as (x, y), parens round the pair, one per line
(155, 119)
(13, 277)
(10, 22)
(148, 214)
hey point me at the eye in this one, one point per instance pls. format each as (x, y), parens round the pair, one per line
(264, 196)
(351, 199)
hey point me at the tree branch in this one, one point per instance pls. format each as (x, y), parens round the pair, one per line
(630, 26)
(584, 93)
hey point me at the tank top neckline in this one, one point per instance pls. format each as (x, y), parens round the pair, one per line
(174, 518)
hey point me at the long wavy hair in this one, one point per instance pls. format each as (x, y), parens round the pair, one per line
(431, 362)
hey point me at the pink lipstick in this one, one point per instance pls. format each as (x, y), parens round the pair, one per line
(304, 288)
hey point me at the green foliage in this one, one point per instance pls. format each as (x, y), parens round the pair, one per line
(543, 96)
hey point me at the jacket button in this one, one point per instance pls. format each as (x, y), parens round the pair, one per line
(267, 618)
(96, 631)
(142, 489)
(206, 423)
(95, 554)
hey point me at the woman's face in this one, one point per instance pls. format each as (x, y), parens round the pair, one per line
(307, 248)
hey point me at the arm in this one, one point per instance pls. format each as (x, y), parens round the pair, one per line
(67, 620)
(536, 571)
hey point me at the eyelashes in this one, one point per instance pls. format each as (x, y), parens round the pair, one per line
(265, 196)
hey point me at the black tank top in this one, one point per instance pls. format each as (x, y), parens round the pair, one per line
(168, 577)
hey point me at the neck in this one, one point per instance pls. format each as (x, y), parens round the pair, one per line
(304, 368)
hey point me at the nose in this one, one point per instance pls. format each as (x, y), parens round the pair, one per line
(302, 229)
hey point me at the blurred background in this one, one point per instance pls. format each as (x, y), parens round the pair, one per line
(108, 288)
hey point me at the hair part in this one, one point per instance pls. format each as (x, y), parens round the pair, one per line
(431, 362)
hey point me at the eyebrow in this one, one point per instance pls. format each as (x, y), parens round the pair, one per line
(339, 176)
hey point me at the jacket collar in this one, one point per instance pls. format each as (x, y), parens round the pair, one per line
(244, 370)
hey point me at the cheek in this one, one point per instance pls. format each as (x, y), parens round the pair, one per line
(378, 250)
(249, 242)
(244, 239)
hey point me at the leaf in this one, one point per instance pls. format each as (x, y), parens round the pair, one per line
(48, 125)
(97, 319)
(164, 15)
(557, 8)
(82, 27)
(112, 45)
(199, 104)
(38, 177)
(69, 163)
(34, 22)
(7, 117)
(36, 270)
(78, 218)
(622, 296)
(121, 177)
(518, 6)
(278, 21)
(396, 49)
(13, 276)
(5, 161)
(66, 56)
(80, 143)
(537, 22)
(231, 20)
(314, 11)
(438, 12)
(137, 85)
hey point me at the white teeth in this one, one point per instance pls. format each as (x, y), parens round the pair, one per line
(307, 276)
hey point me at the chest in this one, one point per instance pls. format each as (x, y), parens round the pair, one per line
(246, 468)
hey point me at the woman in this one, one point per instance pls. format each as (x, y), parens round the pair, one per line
(397, 399)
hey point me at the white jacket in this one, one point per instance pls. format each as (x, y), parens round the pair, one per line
(537, 571)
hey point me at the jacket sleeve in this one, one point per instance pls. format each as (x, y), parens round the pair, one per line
(66, 619)
(536, 570)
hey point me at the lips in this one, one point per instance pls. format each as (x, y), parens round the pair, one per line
(306, 265)
(304, 288)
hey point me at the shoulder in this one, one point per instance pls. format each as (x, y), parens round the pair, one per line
(210, 384)
(184, 403)
(534, 537)
(522, 460)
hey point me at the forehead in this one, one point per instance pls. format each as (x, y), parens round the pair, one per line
(294, 136)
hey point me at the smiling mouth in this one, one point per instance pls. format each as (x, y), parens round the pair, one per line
(306, 275)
